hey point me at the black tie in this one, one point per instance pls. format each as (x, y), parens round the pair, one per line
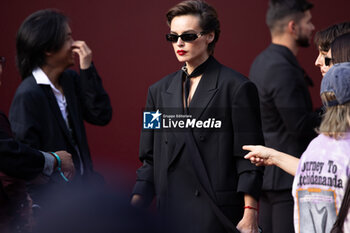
(197, 72)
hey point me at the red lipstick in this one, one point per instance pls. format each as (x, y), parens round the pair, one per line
(181, 52)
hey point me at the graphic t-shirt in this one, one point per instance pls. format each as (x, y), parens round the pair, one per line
(319, 184)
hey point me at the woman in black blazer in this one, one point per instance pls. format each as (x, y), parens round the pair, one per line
(201, 114)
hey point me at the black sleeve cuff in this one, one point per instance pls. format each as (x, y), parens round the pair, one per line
(91, 71)
(250, 182)
(145, 189)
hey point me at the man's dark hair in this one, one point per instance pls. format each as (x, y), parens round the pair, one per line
(41, 32)
(209, 21)
(340, 49)
(325, 37)
(279, 11)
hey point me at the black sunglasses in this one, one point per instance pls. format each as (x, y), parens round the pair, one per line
(2, 61)
(186, 37)
(327, 61)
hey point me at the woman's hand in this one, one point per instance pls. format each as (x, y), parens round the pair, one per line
(249, 223)
(260, 155)
(264, 156)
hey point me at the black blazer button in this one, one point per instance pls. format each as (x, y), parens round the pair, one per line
(166, 141)
(201, 138)
(196, 193)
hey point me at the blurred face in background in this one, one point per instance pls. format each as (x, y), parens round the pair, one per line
(320, 61)
(305, 29)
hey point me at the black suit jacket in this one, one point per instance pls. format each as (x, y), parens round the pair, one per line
(287, 116)
(37, 120)
(18, 163)
(167, 171)
(16, 159)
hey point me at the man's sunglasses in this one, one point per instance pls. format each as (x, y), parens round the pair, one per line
(327, 61)
(186, 37)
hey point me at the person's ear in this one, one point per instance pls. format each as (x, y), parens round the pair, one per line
(210, 37)
(292, 27)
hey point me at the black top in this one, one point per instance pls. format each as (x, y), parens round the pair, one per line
(288, 120)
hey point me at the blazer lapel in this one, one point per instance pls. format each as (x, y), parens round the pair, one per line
(173, 104)
(172, 97)
(205, 91)
(56, 110)
(72, 108)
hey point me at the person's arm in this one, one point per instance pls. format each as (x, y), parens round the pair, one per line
(143, 191)
(96, 105)
(264, 156)
(21, 161)
(51, 163)
(247, 128)
(250, 216)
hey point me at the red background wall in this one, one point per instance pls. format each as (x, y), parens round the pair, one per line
(130, 53)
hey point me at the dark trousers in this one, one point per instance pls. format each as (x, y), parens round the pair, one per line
(276, 212)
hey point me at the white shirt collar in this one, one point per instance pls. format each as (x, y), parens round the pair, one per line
(41, 78)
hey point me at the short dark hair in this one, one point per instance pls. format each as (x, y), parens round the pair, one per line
(209, 21)
(340, 49)
(41, 32)
(280, 10)
(325, 37)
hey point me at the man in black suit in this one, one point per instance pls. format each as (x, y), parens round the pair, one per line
(288, 119)
(51, 103)
(196, 169)
(19, 163)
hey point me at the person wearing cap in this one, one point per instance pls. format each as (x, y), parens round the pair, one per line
(323, 170)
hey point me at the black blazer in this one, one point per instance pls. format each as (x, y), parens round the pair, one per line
(16, 159)
(18, 163)
(37, 120)
(287, 116)
(167, 172)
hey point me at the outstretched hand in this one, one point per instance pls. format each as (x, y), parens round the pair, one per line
(260, 155)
